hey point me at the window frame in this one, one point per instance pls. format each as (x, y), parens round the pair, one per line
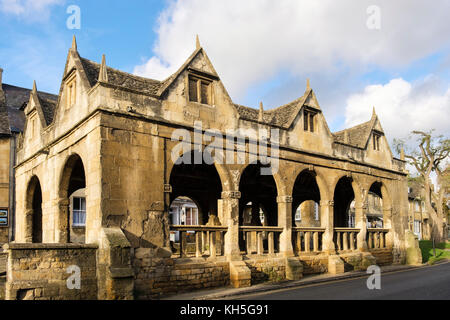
(79, 211)
(202, 80)
(309, 120)
(71, 90)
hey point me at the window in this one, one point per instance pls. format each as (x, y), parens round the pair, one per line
(79, 212)
(417, 228)
(316, 212)
(376, 142)
(308, 119)
(32, 127)
(417, 205)
(298, 215)
(200, 90)
(71, 91)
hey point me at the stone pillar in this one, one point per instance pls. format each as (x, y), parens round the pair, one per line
(327, 221)
(62, 228)
(285, 221)
(230, 217)
(29, 226)
(387, 224)
(361, 223)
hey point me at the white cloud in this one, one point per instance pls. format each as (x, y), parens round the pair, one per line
(251, 41)
(403, 106)
(34, 10)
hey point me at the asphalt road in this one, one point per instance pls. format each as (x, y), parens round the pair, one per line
(428, 283)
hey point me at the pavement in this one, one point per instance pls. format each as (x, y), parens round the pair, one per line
(258, 291)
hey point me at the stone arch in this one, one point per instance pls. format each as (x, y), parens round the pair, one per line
(33, 213)
(200, 182)
(72, 179)
(379, 188)
(260, 190)
(305, 192)
(346, 190)
(282, 187)
(222, 170)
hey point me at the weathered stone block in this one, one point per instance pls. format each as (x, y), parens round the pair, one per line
(335, 265)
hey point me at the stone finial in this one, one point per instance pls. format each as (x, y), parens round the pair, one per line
(402, 154)
(374, 114)
(261, 112)
(197, 42)
(308, 84)
(74, 43)
(34, 90)
(103, 74)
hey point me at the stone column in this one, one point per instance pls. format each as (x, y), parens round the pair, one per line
(361, 223)
(230, 217)
(327, 221)
(387, 224)
(285, 221)
(62, 228)
(29, 226)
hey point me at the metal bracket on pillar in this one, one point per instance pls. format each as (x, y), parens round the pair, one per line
(167, 188)
(285, 199)
(329, 203)
(231, 195)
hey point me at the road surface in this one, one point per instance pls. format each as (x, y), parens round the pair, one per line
(428, 283)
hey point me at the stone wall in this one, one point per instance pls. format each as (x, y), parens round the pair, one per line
(158, 276)
(383, 256)
(267, 269)
(313, 264)
(4, 183)
(39, 271)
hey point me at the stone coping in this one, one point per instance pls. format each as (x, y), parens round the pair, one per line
(47, 246)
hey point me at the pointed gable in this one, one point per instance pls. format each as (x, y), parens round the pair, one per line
(283, 116)
(197, 62)
(44, 104)
(359, 136)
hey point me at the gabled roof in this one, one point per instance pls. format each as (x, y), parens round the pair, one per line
(357, 136)
(120, 78)
(282, 116)
(45, 105)
(12, 118)
(4, 119)
(48, 108)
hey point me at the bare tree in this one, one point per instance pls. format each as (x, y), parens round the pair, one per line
(431, 155)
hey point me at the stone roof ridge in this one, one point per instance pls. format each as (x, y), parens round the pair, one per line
(281, 116)
(119, 77)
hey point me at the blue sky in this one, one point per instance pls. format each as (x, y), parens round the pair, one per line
(264, 50)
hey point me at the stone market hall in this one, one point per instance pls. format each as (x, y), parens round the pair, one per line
(95, 179)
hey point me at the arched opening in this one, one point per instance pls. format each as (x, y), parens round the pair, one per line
(306, 199)
(375, 218)
(261, 191)
(196, 189)
(343, 197)
(258, 204)
(73, 202)
(183, 211)
(34, 211)
(200, 183)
